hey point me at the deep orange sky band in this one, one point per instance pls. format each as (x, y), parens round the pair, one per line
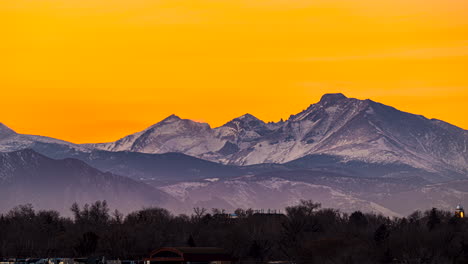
(94, 71)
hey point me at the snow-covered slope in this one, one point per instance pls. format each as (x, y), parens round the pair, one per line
(352, 129)
(12, 141)
(172, 134)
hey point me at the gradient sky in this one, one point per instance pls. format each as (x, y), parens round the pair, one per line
(96, 70)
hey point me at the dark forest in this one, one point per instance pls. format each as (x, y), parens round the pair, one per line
(306, 233)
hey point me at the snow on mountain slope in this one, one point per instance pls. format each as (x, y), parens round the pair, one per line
(172, 134)
(346, 127)
(361, 130)
(12, 141)
(245, 128)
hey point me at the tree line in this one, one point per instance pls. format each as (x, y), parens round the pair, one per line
(306, 233)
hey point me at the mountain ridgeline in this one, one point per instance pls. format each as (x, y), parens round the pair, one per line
(346, 127)
(343, 152)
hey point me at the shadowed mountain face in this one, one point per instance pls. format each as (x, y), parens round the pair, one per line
(278, 189)
(28, 177)
(161, 168)
(352, 129)
(168, 168)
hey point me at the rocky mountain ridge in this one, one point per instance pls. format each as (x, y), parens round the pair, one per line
(346, 127)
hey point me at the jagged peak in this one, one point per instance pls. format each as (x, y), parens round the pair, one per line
(176, 120)
(327, 100)
(247, 117)
(172, 117)
(169, 119)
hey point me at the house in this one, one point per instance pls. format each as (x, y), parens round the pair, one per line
(182, 255)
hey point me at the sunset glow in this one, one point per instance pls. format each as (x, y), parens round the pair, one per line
(95, 71)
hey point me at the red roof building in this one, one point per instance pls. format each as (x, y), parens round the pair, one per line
(180, 255)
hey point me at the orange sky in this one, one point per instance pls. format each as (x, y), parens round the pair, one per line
(93, 71)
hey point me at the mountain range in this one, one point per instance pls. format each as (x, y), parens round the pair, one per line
(346, 153)
(346, 127)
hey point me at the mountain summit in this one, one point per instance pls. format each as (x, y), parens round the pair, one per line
(332, 97)
(172, 134)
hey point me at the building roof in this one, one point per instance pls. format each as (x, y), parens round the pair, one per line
(189, 254)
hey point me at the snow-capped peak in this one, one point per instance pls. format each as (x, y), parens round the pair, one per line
(173, 121)
(245, 119)
(245, 122)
